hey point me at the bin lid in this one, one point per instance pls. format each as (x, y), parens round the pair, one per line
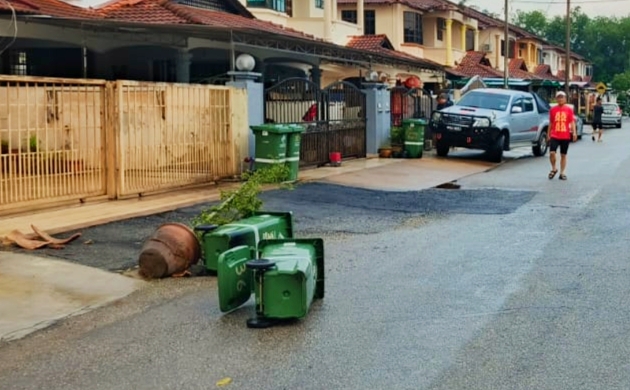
(279, 128)
(417, 121)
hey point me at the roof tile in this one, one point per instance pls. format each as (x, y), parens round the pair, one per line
(380, 44)
(167, 12)
(55, 8)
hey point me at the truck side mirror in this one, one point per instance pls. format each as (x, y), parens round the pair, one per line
(517, 110)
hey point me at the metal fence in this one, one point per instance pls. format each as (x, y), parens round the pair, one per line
(66, 140)
(172, 135)
(52, 137)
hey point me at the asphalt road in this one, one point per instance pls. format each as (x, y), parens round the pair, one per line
(512, 282)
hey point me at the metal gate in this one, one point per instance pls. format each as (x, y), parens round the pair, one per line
(334, 117)
(406, 103)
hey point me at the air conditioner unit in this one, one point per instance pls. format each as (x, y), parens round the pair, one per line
(486, 48)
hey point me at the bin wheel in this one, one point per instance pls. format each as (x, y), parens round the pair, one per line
(260, 264)
(259, 323)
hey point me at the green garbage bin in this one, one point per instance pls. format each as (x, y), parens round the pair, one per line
(293, 150)
(248, 231)
(414, 137)
(271, 145)
(285, 280)
(287, 277)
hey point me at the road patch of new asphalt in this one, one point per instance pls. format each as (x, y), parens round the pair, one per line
(322, 210)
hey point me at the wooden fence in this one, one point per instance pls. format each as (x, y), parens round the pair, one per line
(70, 140)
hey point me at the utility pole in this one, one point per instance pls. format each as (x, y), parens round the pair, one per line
(567, 65)
(506, 51)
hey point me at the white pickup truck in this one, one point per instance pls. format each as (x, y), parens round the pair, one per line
(493, 120)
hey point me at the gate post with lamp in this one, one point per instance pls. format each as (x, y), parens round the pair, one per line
(377, 113)
(245, 78)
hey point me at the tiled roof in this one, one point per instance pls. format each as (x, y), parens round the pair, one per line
(167, 12)
(485, 21)
(544, 72)
(471, 66)
(518, 70)
(561, 75)
(54, 8)
(380, 44)
(420, 5)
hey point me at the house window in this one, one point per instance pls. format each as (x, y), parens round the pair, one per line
(320, 4)
(470, 40)
(276, 5)
(412, 27)
(19, 63)
(369, 25)
(349, 16)
(369, 20)
(510, 48)
(440, 26)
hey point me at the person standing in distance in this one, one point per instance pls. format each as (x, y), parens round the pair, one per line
(443, 101)
(562, 131)
(598, 126)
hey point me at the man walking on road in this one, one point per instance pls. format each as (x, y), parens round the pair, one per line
(598, 126)
(562, 131)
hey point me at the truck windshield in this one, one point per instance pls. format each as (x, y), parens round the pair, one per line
(488, 101)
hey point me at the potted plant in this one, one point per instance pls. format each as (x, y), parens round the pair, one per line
(32, 144)
(397, 137)
(385, 151)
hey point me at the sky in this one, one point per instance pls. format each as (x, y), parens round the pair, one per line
(592, 8)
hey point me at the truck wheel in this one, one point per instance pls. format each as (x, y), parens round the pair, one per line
(495, 153)
(541, 145)
(442, 149)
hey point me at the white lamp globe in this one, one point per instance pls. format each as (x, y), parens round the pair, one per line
(245, 63)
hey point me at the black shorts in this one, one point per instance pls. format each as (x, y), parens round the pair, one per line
(598, 126)
(563, 143)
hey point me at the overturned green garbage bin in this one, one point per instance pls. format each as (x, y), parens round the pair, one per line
(271, 145)
(286, 279)
(414, 137)
(248, 231)
(293, 151)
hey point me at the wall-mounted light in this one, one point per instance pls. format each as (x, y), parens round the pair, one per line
(245, 63)
(372, 76)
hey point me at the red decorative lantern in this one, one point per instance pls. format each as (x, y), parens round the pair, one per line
(413, 82)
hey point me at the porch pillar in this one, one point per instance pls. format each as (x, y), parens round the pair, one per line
(476, 44)
(316, 76)
(360, 17)
(252, 83)
(328, 15)
(497, 51)
(464, 37)
(183, 66)
(449, 42)
(378, 116)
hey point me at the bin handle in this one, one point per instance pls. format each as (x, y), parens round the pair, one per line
(205, 228)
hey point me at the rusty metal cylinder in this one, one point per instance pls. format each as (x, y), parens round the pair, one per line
(172, 249)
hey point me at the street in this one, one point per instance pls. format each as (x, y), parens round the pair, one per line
(513, 281)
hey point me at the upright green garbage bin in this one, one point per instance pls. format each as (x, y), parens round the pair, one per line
(271, 145)
(414, 137)
(293, 150)
(248, 231)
